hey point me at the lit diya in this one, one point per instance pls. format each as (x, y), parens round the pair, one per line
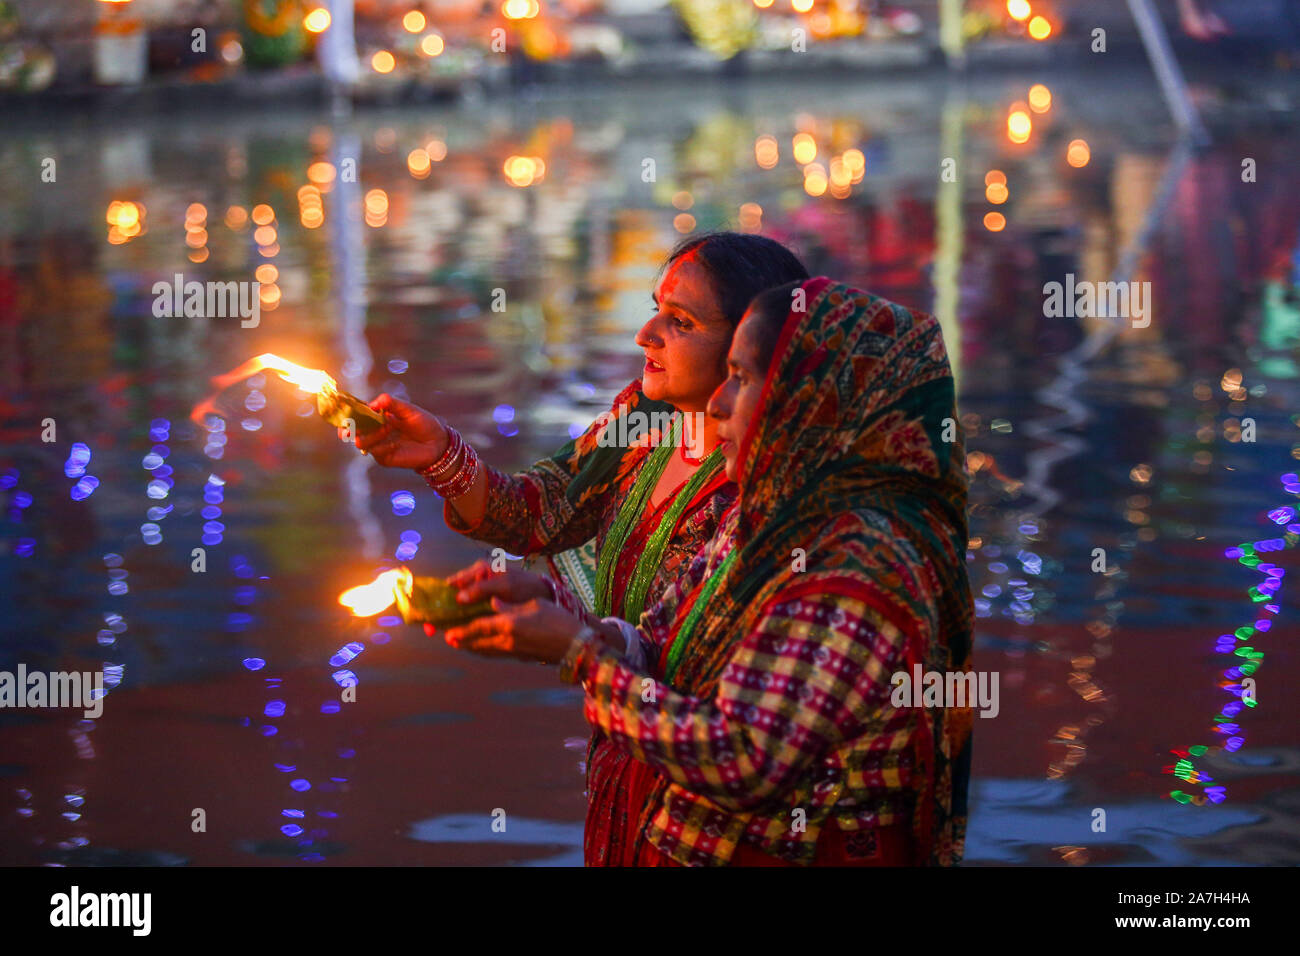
(332, 403)
(419, 600)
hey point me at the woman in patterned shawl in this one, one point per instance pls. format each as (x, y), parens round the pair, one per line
(758, 694)
(618, 519)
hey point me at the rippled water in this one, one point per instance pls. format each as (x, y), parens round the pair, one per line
(226, 680)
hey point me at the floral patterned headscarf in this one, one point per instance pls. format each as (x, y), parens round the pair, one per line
(855, 460)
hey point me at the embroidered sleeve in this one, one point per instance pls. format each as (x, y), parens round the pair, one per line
(562, 596)
(530, 512)
(813, 672)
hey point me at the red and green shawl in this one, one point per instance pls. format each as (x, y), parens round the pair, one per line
(857, 416)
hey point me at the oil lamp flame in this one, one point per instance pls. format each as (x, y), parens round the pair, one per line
(367, 600)
(307, 379)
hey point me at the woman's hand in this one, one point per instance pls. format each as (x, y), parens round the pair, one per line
(535, 631)
(513, 585)
(411, 437)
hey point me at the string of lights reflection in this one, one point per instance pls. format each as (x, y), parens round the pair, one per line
(1057, 444)
(1025, 593)
(25, 547)
(1238, 680)
(826, 165)
(244, 592)
(308, 842)
(75, 467)
(337, 407)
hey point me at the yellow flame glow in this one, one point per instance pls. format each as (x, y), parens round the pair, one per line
(307, 379)
(367, 600)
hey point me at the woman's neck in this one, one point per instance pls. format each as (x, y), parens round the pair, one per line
(699, 433)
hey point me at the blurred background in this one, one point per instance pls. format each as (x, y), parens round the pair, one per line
(504, 146)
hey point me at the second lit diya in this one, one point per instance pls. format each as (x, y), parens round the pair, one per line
(418, 599)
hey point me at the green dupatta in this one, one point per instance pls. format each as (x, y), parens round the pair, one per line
(630, 513)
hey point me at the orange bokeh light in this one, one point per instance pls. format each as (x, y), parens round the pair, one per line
(317, 21)
(523, 171)
(1019, 126)
(805, 148)
(417, 162)
(814, 180)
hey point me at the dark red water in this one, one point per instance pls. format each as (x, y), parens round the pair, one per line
(1137, 451)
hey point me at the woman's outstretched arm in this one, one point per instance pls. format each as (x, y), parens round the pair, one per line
(528, 512)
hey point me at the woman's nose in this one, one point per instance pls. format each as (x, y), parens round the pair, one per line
(717, 404)
(649, 336)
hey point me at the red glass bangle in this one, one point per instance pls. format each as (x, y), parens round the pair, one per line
(442, 466)
(463, 478)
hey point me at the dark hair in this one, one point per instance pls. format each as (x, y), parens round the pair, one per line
(768, 311)
(740, 265)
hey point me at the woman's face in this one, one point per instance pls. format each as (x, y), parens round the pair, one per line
(735, 402)
(685, 341)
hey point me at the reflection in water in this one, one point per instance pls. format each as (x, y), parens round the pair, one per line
(511, 831)
(1020, 819)
(1238, 682)
(1058, 446)
(405, 250)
